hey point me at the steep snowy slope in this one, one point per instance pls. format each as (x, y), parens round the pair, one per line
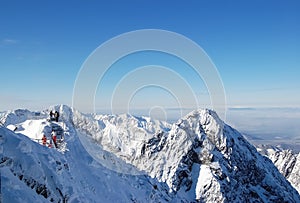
(197, 158)
(286, 161)
(31, 172)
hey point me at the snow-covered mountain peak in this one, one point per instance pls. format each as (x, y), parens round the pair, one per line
(66, 112)
(199, 157)
(31, 172)
(203, 121)
(129, 121)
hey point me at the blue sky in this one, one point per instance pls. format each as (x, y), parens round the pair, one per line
(255, 46)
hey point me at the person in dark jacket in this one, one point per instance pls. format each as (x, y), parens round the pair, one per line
(51, 115)
(56, 115)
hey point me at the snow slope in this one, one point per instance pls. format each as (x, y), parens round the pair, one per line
(31, 172)
(124, 158)
(287, 162)
(198, 147)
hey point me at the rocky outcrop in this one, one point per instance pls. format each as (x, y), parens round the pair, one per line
(287, 162)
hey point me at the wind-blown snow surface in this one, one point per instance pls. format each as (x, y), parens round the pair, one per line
(198, 158)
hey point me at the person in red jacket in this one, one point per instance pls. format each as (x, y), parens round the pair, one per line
(50, 144)
(44, 140)
(54, 138)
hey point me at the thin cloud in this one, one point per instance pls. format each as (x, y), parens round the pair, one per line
(9, 41)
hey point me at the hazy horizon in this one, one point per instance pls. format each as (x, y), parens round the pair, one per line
(249, 59)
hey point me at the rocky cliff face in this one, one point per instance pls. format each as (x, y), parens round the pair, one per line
(287, 162)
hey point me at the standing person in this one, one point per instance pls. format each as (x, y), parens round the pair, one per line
(44, 140)
(56, 114)
(50, 144)
(51, 115)
(54, 138)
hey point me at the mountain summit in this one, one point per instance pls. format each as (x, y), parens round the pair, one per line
(198, 158)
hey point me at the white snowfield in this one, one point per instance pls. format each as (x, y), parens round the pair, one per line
(123, 158)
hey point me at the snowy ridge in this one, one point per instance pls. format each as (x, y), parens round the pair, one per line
(198, 158)
(19, 115)
(202, 144)
(31, 172)
(287, 162)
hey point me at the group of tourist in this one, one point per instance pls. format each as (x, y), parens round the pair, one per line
(52, 140)
(54, 116)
